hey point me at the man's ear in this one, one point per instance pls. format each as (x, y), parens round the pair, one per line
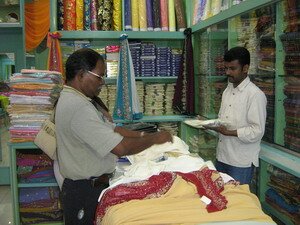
(245, 68)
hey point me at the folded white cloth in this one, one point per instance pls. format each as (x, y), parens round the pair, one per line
(156, 152)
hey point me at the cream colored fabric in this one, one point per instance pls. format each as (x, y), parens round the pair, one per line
(155, 152)
(181, 205)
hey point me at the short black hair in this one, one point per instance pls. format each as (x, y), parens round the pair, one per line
(238, 53)
(84, 59)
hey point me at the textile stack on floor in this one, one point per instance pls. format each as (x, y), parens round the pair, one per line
(32, 96)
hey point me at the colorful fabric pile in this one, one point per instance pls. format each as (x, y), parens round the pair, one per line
(89, 15)
(33, 94)
(291, 44)
(40, 204)
(283, 193)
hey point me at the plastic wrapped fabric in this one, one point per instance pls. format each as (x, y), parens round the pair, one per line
(135, 14)
(87, 15)
(79, 14)
(127, 9)
(117, 15)
(164, 18)
(171, 13)
(149, 15)
(180, 15)
(69, 14)
(142, 15)
(94, 20)
(156, 15)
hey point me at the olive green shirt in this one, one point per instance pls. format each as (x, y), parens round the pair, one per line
(85, 137)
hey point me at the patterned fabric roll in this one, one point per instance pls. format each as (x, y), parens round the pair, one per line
(156, 15)
(79, 14)
(171, 12)
(69, 15)
(87, 15)
(107, 14)
(117, 15)
(94, 20)
(127, 8)
(164, 15)
(100, 13)
(60, 15)
(149, 15)
(135, 15)
(142, 15)
(180, 15)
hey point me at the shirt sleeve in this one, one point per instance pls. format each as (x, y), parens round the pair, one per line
(95, 132)
(256, 119)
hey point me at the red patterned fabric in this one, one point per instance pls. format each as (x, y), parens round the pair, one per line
(154, 187)
(208, 183)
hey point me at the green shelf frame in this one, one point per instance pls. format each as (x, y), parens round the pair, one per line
(158, 79)
(23, 185)
(154, 119)
(108, 35)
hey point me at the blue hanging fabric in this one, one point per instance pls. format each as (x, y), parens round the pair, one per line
(127, 102)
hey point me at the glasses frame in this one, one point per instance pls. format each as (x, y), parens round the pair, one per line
(96, 75)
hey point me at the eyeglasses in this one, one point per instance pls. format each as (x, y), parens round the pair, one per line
(97, 75)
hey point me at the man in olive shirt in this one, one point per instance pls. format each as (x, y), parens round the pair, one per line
(88, 144)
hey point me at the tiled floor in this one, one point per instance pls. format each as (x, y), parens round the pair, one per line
(6, 215)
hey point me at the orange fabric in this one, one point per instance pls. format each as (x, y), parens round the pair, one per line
(37, 22)
(54, 56)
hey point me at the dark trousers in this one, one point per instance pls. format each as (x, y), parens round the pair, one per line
(241, 174)
(80, 200)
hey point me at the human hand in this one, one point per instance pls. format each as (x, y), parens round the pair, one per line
(163, 136)
(220, 129)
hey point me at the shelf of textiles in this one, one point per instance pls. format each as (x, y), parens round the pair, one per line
(210, 94)
(10, 13)
(117, 15)
(281, 196)
(279, 170)
(199, 141)
(255, 31)
(35, 192)
(150, 59)
(291, 45)
(212, 45)
(155, 98)
(207, 13)
(267, 85)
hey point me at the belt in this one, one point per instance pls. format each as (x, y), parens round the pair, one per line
(99, 181)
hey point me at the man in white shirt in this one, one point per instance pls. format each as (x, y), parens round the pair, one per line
(243, 109)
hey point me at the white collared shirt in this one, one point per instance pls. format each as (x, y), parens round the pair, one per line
(244, 109)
